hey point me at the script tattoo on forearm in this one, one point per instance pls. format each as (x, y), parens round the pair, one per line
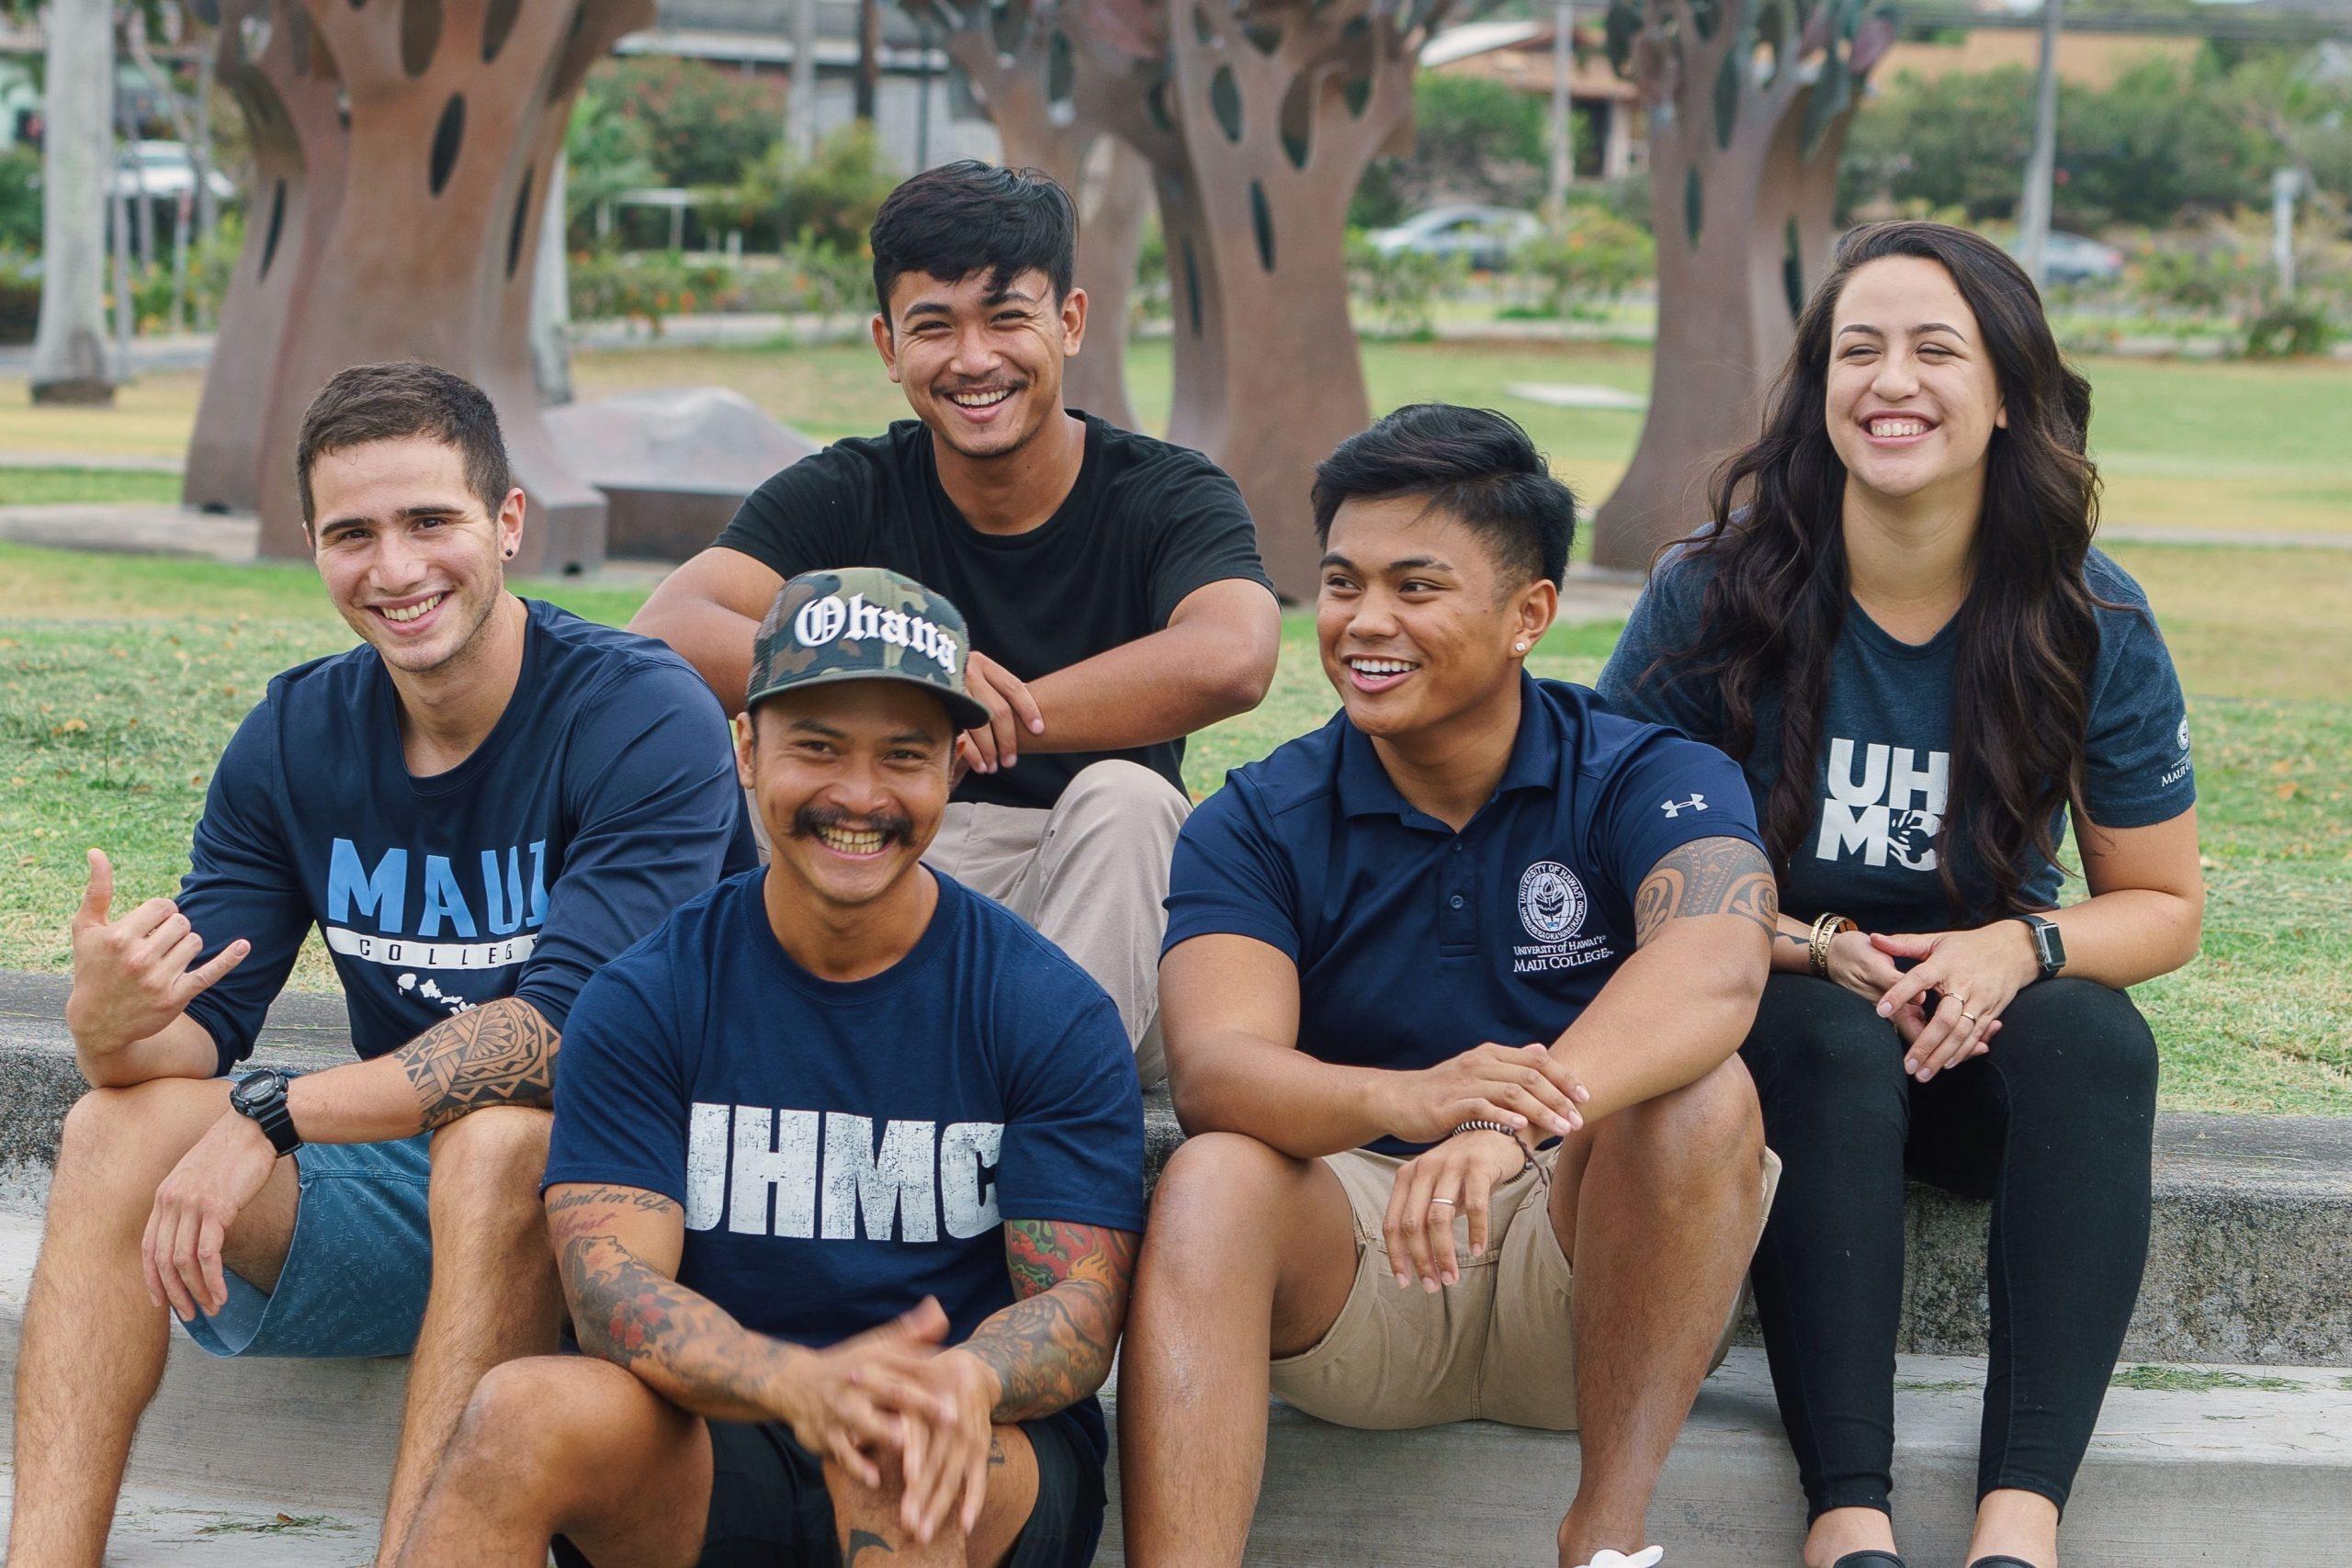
(1052, 1347)
(1708, 876)
(634, 1316)
(502, 1053)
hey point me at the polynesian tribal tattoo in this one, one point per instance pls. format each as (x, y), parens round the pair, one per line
(502, 1053)
(1052, 1347)
(1708, 876)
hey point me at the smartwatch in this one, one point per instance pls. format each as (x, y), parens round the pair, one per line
(260, 1096)
(2048, 945)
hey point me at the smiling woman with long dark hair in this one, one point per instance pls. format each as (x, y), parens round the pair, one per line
(1902, 631)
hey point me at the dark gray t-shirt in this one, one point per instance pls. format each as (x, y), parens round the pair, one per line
(1887, 742)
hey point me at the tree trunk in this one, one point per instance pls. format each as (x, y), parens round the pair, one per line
(270, 60)
(1744, 217)
(1065, 139)
(1273, 152)
(71, 363)
(453, 132)
(869, 59)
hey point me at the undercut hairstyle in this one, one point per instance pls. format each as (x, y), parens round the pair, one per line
(970, 216)
(1475, 466)
(1777, 589)
(392, 402)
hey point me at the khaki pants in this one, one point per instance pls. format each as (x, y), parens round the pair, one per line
(1090, 873)
(1497, 1347)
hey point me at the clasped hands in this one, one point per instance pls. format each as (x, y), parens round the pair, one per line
(1524, 1087)
(891, 1395)
(1947, 1007)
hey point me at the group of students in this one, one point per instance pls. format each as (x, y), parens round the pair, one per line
(1504, 1016)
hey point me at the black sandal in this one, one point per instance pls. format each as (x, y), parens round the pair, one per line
(1873, 1559)
(2000, 1562)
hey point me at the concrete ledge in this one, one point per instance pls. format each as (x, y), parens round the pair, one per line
(2250, 1260)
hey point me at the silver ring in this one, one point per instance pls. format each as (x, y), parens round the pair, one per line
(1447, 1202)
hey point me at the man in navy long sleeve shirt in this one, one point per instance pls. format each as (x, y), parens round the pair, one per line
(476, 807)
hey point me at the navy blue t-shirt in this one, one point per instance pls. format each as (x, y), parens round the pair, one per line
(1415, 943)
(844, 1149)
(1887, 742)
(605, 796)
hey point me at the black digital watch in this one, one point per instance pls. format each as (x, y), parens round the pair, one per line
(2048, 945)
(260, 1096)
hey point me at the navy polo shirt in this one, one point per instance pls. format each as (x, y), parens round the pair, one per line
(1415, 943)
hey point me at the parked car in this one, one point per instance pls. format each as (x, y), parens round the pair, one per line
(164, 172)
(2072, 258)
(1485, 236)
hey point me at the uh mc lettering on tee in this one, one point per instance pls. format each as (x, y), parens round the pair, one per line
(820, 1175)
(1890, 808)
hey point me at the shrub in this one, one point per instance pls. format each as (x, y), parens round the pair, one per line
(647, 288)
(828, 200)
(2294, 327)
(19, 296)
(1402, 289)
(1593, 255)
(20, 199)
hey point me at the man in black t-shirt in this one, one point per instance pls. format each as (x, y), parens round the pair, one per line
(1112, 581)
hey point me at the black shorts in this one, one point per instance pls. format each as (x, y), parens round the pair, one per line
(769, 1507)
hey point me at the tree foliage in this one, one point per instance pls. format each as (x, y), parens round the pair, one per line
(702, 126)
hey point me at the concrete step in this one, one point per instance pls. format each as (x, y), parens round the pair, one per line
(2248, 1262)
(2190, 1465)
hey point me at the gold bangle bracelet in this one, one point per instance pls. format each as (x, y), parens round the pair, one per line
(1826, 929)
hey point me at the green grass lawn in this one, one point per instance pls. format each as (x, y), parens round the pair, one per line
(2242, 447)
(122, 678)
(45, 486)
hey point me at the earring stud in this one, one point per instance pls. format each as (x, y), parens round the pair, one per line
(1519, 648)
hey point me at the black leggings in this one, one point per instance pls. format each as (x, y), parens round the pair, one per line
(2054, 1125)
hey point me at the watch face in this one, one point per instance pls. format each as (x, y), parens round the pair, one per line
(251, 1089)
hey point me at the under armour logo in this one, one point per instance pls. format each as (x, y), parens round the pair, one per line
(1675, 807)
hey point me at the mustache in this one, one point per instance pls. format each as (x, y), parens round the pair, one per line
(812, 820)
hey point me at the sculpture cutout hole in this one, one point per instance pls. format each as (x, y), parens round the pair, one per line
(446, 136)
(205, 11)
(1156, 101)
(497, 24)
(420, 34)
(252, 37)
(1693, 207)
(1225, 102)
(1793, 271)
(1264, 37)
(1262, 219)
(1061, 69)
(1201, 30)
(1768, 25)
(1298, 117)
(522, 222)
(1727, 86)
(1192, 289)
(277, 227)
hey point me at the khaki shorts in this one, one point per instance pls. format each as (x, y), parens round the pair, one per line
(1495, 1347)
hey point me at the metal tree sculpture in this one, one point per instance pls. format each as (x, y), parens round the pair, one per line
(399, 146)
(1748, 104)
(1259, 117)
(1049, 102)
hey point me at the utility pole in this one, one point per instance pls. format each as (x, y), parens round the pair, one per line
(71, 362)
(800, 107)
(1564, 50)
(2284, 186)
(2040, 168)
(869, 59)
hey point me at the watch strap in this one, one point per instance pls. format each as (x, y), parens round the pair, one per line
(271, 1114)
(2048, 949)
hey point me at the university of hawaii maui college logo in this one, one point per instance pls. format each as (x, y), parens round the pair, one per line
(1551, 901)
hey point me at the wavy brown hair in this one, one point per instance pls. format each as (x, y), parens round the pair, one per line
(2028, 633)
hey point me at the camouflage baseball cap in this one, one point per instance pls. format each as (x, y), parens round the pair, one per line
(862, 623)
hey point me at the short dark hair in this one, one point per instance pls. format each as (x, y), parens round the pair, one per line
(960, 217)
(387, 402)
(1474, 464)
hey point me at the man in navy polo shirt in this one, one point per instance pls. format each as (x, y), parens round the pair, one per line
(475, 807)
(832, 1117)
(1474, 914)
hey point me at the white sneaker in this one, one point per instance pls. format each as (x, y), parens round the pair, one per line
(1647, 1557)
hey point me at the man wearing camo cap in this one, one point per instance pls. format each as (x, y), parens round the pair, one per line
(847, 1176)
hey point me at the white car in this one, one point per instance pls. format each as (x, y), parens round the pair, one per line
(1485, 235)
(163, 171)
